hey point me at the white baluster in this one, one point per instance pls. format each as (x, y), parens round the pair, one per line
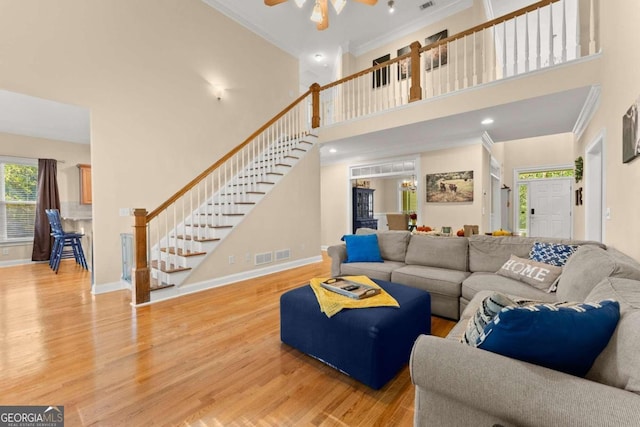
(456, 77)
(504, 49)
(475, 66)
(538, 41)
(515, 46)
(451, 61)
(563, 31)
(592, 28)
(551, 59)
(526, 42)
(578, 21)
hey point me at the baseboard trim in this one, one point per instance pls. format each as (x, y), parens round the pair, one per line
(175, 292)
(105, 288)
(13, 262)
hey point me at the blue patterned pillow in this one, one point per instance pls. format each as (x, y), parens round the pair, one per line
(564, 337)
(551, 253)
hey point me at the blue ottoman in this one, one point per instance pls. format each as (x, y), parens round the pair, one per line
(369, 344)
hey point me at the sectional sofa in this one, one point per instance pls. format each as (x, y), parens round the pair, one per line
(457, 384)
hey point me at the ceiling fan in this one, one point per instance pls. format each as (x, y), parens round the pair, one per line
(319, 14)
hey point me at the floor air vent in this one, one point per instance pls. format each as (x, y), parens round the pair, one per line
(283, 254)
(263, 258)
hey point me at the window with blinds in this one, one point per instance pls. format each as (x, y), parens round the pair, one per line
(18, 192)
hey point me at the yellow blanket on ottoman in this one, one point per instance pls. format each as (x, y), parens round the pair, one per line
(331, 302)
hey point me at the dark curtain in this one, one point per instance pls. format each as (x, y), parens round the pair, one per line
(48, 198)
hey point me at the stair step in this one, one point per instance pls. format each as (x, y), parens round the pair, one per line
(298, 149)
(236, 203)
(258, 182)
(209, 226)
(246, 192)
(182, 252)
(197, 239)
(259, 174)
(168, 269)
(156, 285)
(283, 164)
(217, 214)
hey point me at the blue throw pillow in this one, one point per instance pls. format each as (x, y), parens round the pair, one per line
(362, 248)
(552, 253)
(565, 338)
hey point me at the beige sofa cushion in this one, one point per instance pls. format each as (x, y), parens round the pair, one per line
(488, 253)
(373, 270)
(392, 243)
(587, 267)
(619, 363)
(478, 282)
(442, 252)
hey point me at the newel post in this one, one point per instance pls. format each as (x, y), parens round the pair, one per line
(315, 103)
(141, 277)
(415, 93)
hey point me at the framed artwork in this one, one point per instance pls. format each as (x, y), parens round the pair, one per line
(631, 133)
(450, 187)
(404, 66)
(381, 75)
(438, 56)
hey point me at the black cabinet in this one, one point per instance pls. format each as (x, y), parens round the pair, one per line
(363, 209)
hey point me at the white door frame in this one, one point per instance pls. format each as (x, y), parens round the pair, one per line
(595, 188)
(516, 182)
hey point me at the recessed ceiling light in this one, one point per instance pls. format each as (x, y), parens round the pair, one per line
(333, 150)
(318, 57)
(487, 121)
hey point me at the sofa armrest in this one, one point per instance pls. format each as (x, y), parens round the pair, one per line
(338, 254)
(513, 391)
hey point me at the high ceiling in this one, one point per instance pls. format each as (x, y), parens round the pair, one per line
(358, 29)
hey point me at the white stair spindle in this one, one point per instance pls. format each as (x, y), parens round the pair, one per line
(563, 32)
(592, 28)
(578, 41)
(465, 81)
(475, 65)
(526, 42)
(551, 58)
(504, 50)
(515, 46)
(538, 41)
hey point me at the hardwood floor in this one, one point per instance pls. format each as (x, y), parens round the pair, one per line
(207, 359)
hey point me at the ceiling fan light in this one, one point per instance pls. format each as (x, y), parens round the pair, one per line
(338, 5)
(316, 15)
(299, 3)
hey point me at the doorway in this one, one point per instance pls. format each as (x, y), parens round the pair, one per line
(544, 202)
(594, 183)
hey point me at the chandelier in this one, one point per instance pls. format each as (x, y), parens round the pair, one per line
(319, 14)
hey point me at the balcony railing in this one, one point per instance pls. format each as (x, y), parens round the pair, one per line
(541, 35)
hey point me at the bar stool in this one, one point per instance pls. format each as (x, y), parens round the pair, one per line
(63, 240)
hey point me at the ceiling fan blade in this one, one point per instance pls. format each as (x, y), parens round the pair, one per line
(273, 2)
(369, 2)
(324, 24)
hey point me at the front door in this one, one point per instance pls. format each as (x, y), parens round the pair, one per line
(550, 208)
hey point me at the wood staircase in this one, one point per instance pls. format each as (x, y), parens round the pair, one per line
(187, 244)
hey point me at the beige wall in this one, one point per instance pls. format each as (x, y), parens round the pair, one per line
(145, 69)
(286, 218)
(456, 23)
(68, 155)
(454, 215)
(335, 193)
(620, 88)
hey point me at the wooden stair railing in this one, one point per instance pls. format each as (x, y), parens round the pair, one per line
(288, 125)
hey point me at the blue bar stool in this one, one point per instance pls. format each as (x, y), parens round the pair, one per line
(62, 240)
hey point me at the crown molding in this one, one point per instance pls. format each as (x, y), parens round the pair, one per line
(487, 141)
(589, 108)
